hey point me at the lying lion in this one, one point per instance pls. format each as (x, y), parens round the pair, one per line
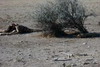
(15, 29)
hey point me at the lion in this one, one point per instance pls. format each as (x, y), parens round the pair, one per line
(16, 29)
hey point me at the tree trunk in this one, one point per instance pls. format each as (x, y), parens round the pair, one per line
(82, 29)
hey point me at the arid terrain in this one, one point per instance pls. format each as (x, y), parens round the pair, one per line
(30, 50)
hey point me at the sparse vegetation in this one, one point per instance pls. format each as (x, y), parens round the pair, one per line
(54, 17)
(46, 17)
(73, 14)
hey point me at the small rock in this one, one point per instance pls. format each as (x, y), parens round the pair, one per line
(86, 63)
(21, 41)
(55, 59)
(89, 59)
(19, 51)
(88, 46)
(47, 59)
(74, 65)
(68, 54)
(30, 56)
(62, 59)
(84, 43)
(95, 63)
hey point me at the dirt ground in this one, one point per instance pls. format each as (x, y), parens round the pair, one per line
(29, 50)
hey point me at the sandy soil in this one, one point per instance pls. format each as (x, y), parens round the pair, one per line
(29, 50)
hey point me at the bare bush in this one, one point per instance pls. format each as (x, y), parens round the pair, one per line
(46, 17)
(54, 17)
(72, 13)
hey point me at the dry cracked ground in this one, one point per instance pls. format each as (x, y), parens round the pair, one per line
(29, 50)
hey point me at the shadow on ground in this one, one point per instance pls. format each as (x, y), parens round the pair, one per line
(79, 35)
